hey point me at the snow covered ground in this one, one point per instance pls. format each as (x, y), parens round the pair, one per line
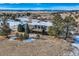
(75, 51)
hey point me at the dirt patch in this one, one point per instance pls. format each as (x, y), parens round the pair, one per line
(2, 38)
(49, 47)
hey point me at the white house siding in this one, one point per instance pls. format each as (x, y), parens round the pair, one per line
(39, 23)
(13, 24)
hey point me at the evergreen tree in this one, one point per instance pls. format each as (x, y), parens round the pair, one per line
(28, 14)
(26, 33)
(5, 27)
(20, 28)
(62, 26)
(57, 27)
(27, 29)
(69, 24)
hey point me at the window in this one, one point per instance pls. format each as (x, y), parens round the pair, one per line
(35, 26)
(43, 27)
(38, 27)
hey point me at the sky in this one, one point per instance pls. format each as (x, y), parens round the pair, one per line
(40, 6)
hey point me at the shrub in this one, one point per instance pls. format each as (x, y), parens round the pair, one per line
(52, 31)
(26, 36)
(17, 35)
(6, 29)
(28, 14)
(2, 33)
(21, 36)
(37, 36)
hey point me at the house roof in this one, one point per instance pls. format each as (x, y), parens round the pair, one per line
(41, 23)
(23, 19)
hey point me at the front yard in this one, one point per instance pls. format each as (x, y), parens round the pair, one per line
(50, 46)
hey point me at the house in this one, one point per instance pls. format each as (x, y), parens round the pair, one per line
(34, 25)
